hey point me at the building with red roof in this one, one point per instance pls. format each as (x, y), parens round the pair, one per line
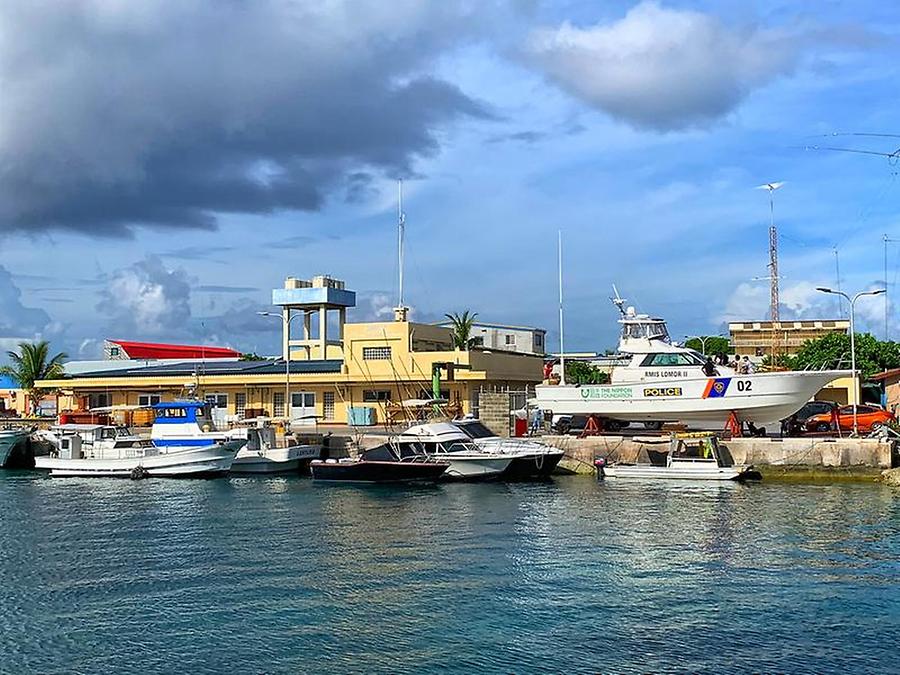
(129, 349)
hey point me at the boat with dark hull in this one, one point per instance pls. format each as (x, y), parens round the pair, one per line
(381, 464)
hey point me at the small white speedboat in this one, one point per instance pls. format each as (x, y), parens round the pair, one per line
(690, 456)
(533, 459)
(262, 454)
(444, 442)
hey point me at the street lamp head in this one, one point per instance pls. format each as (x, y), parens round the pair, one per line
(268, 314)
(822, 289)
(878, 291)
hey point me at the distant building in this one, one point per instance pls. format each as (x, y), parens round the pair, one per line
(755, 338)
(522, 339)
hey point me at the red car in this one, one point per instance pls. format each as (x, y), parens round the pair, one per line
(868, 418)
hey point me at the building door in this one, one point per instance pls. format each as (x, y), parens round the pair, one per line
(303, 408)
(218, 405)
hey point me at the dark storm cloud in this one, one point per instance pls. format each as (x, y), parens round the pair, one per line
(166, 113)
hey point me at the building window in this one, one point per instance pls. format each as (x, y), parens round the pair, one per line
(217, 400)
(240, 403)
(328, 405)
(147, 400)
(113, 351)
(303, 400)
(510, 339)
(278, 404)
(538, 340)
(376, 396)
(376, 353)
(98, 401)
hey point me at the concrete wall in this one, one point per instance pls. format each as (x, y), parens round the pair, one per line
(493, 411)
(800, 452)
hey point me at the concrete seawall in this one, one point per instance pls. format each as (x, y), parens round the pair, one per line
(804, 454)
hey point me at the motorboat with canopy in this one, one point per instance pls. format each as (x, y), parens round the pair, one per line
(385, 463)
(689, 456)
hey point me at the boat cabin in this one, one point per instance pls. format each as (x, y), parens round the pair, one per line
(434, 439)
(178, 421)
(96, 435)
(695, 448)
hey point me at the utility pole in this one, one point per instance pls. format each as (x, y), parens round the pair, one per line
(887, 306)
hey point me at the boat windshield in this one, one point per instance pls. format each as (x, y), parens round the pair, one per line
(696, 449)
(652, 330)
(476, 430)
(456, 446)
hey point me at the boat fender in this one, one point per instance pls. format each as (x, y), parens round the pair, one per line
(138, 473)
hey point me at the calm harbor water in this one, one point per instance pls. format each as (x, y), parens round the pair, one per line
(284, 575)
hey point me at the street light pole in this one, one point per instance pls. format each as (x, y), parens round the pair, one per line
(287, 361)
(852, 302)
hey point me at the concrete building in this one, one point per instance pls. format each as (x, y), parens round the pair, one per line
(522, 339)
(755, 338)
(361, 371)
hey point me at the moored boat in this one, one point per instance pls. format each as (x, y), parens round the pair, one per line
(690, 456)
(532, 459)
(140, 462)
(446, 442)
(381, 464)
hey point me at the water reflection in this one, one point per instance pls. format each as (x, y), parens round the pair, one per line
(284, 575)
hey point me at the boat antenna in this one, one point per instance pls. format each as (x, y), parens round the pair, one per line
(618, 300)
(562, 349)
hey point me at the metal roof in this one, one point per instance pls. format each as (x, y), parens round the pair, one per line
(265, 367)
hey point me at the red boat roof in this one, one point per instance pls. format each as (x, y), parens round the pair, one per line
(154, 350)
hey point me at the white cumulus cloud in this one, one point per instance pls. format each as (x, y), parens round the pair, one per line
(660, 68)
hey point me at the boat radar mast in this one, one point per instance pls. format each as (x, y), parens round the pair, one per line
(619, 301)
(401, 311)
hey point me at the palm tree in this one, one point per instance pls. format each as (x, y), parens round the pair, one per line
(30, 364)
(462, 328)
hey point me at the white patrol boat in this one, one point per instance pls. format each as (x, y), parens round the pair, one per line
(658, 381)
(690, 456)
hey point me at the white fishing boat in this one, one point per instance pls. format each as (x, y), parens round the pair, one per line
(658, 381)
(263, 455)
(533, 459)
(9, 438)
(443, 441)
(139, 462)
(690, 456)
(104, 450)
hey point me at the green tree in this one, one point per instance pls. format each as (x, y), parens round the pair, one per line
(715, 344)
(31, 363)
(579, 372)
(833, 351)
(251, 356)
(461, 325)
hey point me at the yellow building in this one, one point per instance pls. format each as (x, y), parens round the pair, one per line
(755, 338)
(372, 366)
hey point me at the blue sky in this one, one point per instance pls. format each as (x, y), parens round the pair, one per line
(166, 165)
